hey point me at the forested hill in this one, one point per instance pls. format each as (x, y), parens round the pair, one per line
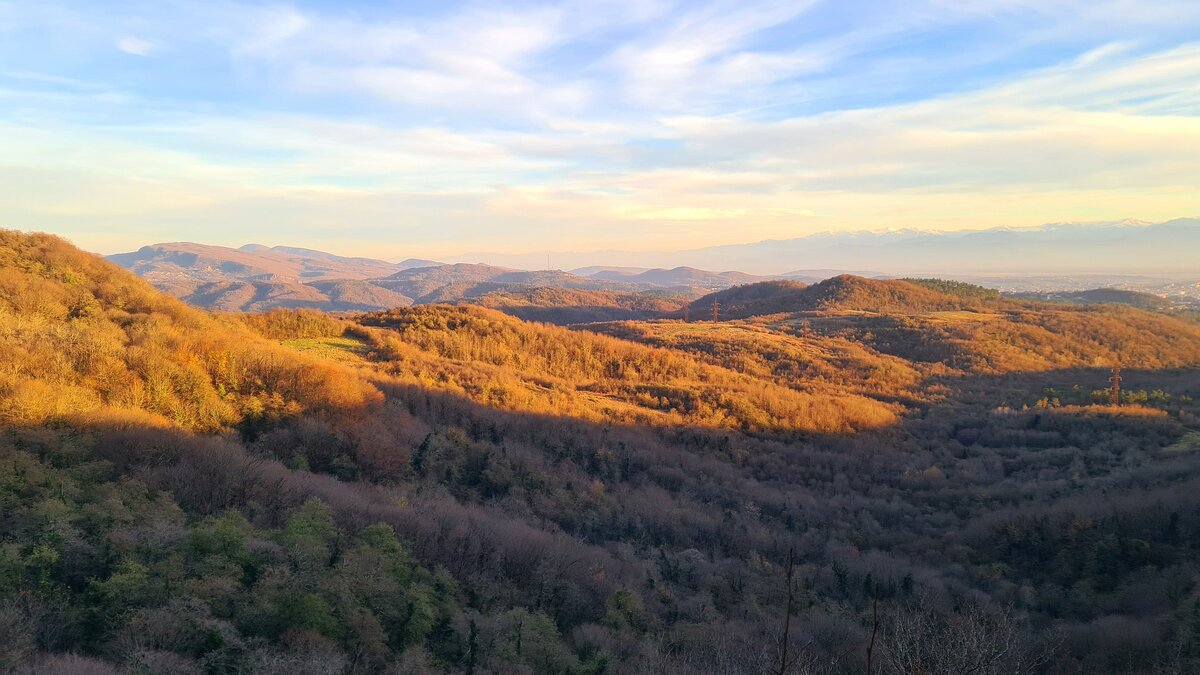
(86, 340)
(843, 292)
(963, 326)
(451, 489)
(566, 306)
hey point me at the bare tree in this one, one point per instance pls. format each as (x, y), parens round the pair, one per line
(919, 639)
(786, 662)
(18, 631)
(874, 631)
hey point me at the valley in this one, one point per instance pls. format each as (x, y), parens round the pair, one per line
(449, 488)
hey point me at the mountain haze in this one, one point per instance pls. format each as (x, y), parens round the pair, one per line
(1114, 247)
(255, 278)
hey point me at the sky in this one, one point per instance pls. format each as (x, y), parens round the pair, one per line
(402, 129)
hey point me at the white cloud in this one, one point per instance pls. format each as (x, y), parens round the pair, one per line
(602, 123)
(706, 49)
(136, 46)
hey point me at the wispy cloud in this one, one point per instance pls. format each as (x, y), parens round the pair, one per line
(136, 46)
(591, 124)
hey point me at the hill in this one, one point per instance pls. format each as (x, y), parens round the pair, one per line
(257, 278)
(171, 266)
(571, 306)
(452, 489)
(450, 283)
(679, 277)
(843, 293)
(739, 302)
(1109, 296)
(242, 296)
(260, 296)
(546, 369)
(83, 337)
(608, 269)
(848, 292)
(960, 325)
(365, 267)
(806, 362)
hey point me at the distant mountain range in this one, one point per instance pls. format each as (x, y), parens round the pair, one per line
(1159, 258)
(192, 264)
(1130, 247)
(256, 278)
(672, 278)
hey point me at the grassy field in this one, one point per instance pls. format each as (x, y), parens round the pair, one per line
(345, 348)
(1189, 443)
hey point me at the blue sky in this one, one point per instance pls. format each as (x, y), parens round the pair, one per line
(398, 129)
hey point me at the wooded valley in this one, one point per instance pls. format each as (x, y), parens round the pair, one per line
(908, 476)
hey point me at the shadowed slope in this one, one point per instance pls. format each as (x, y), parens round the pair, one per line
(564, 306)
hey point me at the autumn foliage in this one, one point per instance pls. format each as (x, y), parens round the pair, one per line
(82, 335)
(452, 489)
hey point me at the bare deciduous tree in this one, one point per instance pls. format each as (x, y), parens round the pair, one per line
(920, 639)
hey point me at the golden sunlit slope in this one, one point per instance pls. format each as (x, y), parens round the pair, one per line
(503, 362)
(79, 336)
(807, 362)
(845, 292)
(960, 325)
(82, 336)
(1008, 336)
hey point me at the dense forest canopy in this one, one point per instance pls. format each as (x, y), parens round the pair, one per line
(931, 477)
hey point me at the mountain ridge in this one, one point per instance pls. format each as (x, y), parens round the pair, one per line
(1110, 246)
(255, 277)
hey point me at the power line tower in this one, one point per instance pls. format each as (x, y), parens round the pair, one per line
(716, 311)
(1116, 385)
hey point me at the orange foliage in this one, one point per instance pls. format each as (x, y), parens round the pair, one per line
(503, 362)
(81, 334)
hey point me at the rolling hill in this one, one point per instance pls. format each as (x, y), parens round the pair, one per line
(961, 325)
(166, 265)
(85, 338)
(677, 278)
(450, 283)
(572, 306)
(1107, 296)
(446, 488)
(843, 292)
(257, 278)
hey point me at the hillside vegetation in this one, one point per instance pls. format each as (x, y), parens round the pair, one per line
(962, 326)
(1013, 337)
(844, 292)
(83, 337)
(805, 362)
(564, 306)
(452, 489)
(505, 363)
